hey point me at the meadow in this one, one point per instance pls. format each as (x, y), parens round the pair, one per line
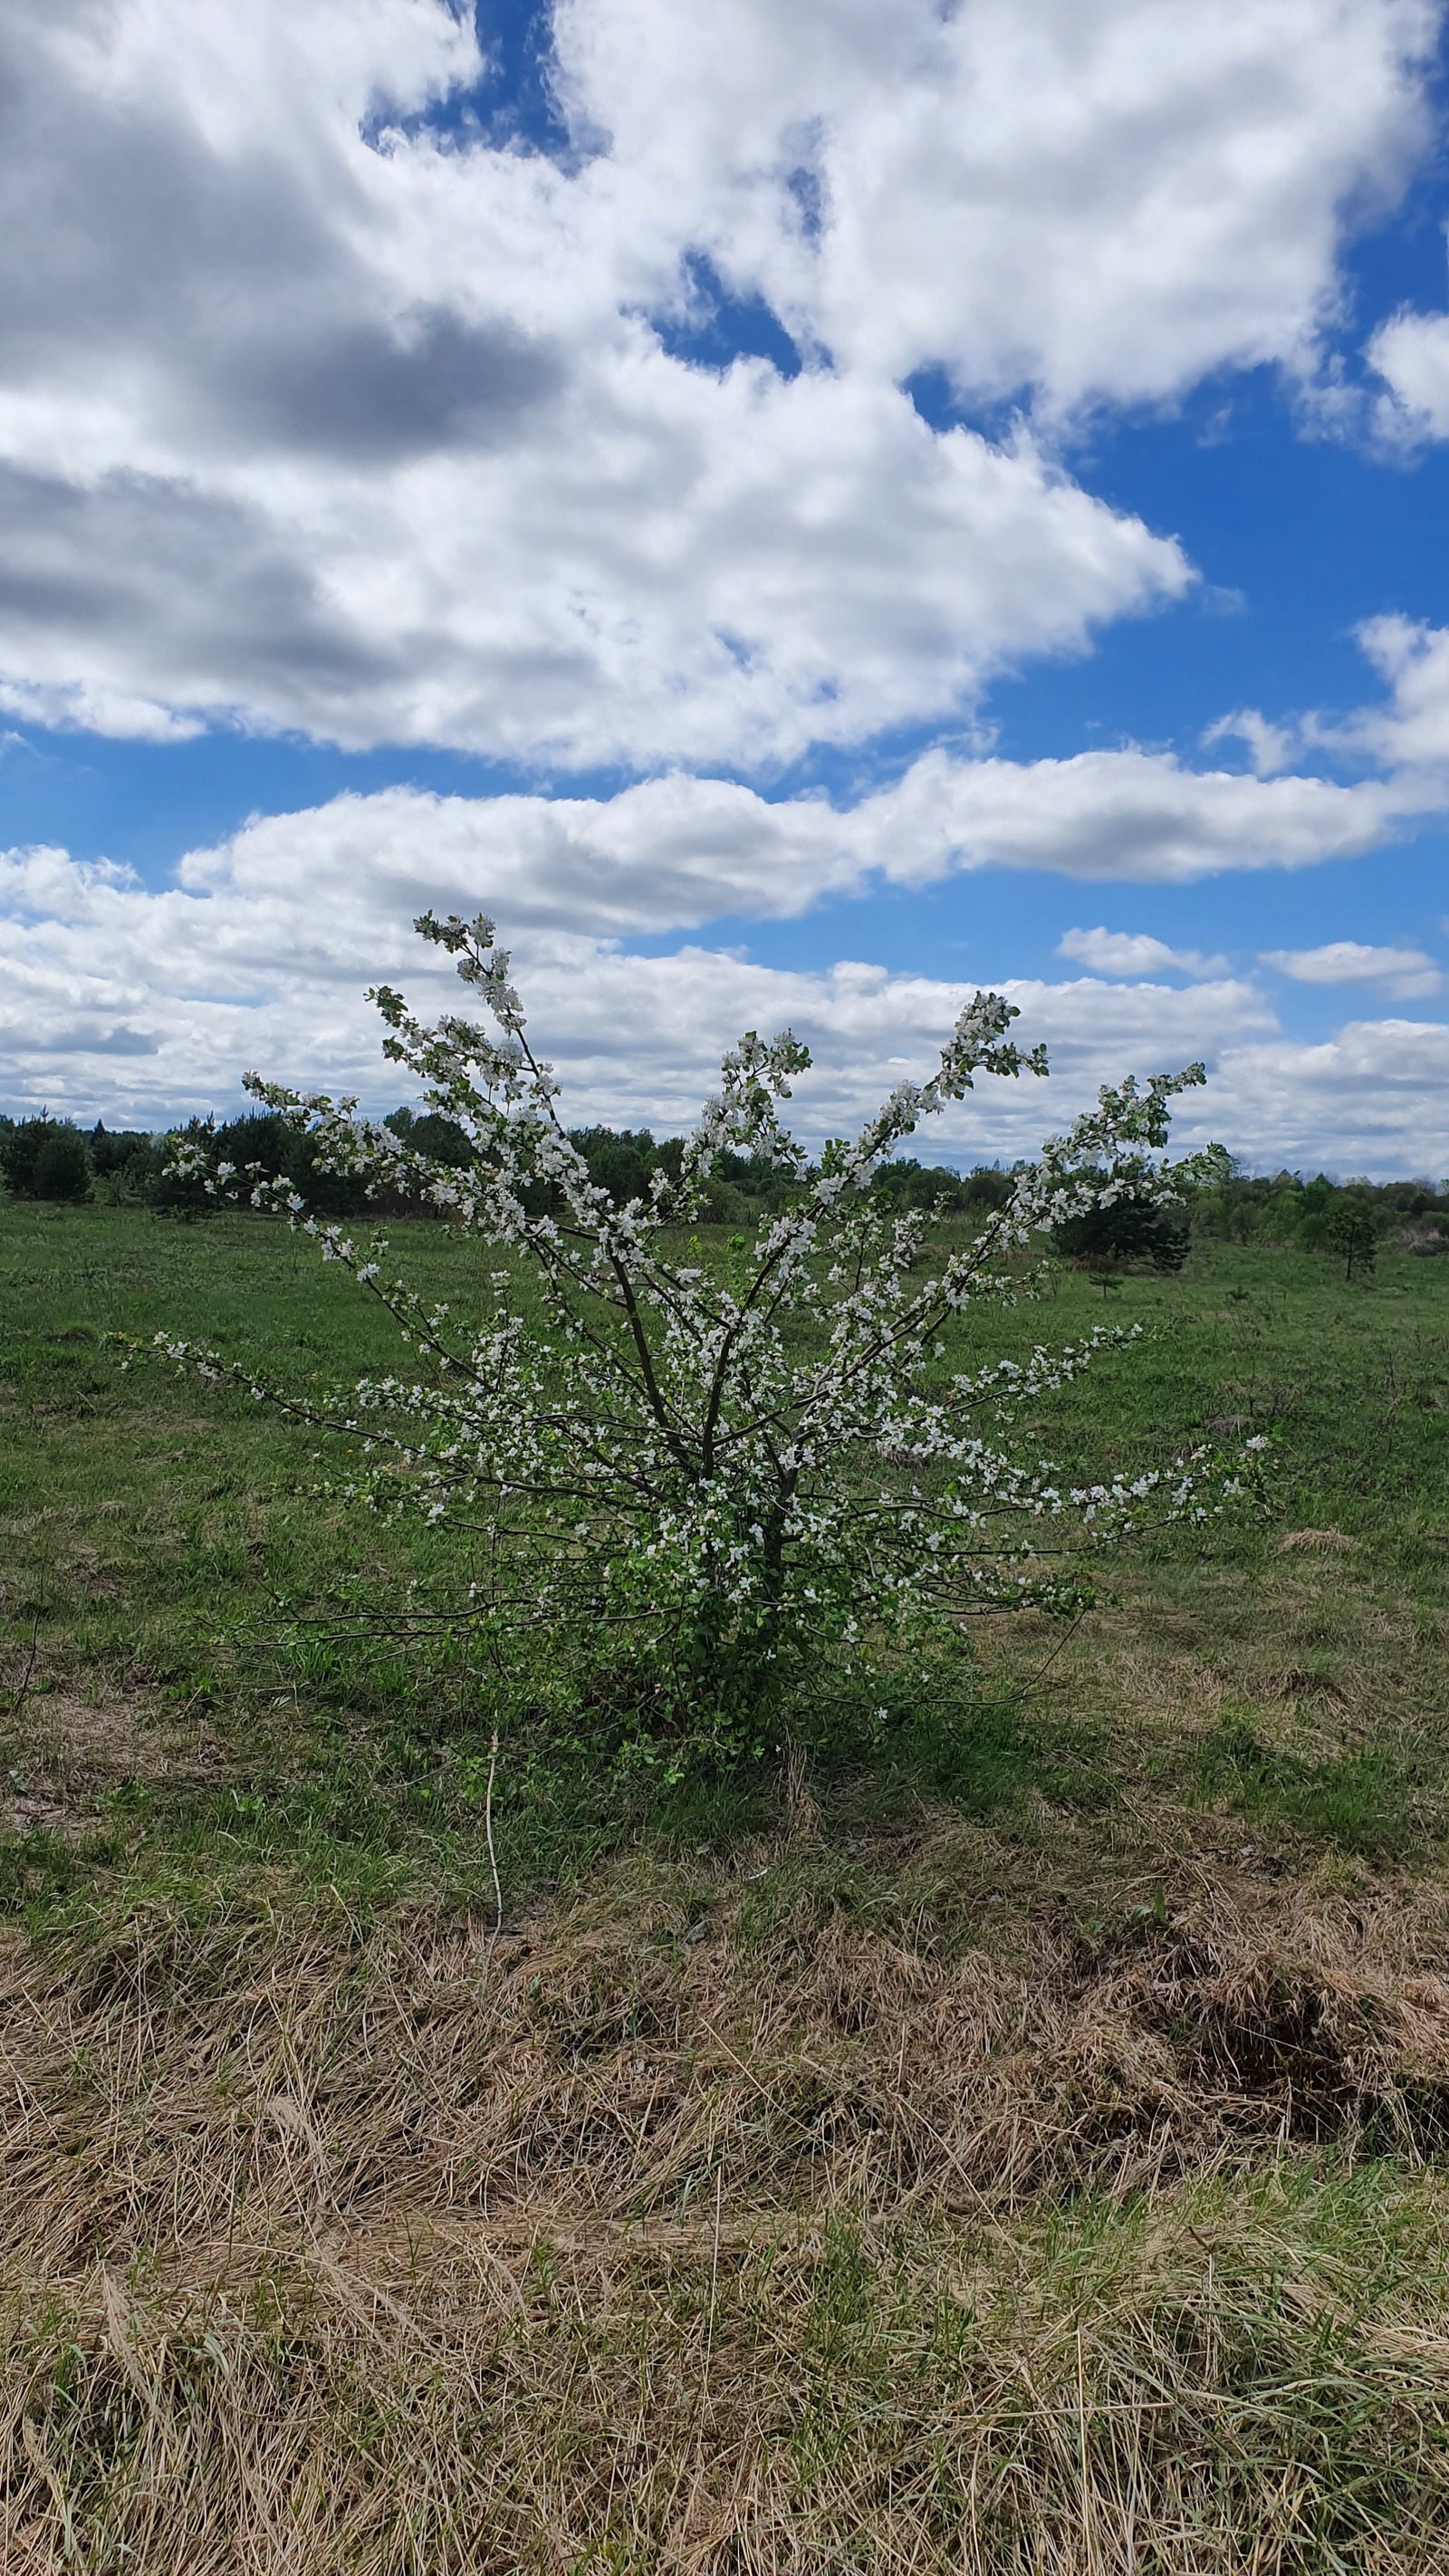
(1007, 2137)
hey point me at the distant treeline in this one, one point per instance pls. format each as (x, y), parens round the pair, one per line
(52, 1158)
(1287, 1209)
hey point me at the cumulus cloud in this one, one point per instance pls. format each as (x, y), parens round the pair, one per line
(249, 964)
(305, 908)
(1132, 815)
(673, 567)
(674, 853)
(313, 415)
(1412, 731)
(1133, 953)
(143, 1003)
(1117, 195)
(1405, 734)
(235, 970)
(1406, 973)
(1270, 747)
(1375, 1098)
(1411, 353)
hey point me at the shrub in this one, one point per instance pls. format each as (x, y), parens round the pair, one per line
(179, 1188)
(1289, 1210)
(45, 1158)
(618, 1162)
(1351, 1231)
(696, 1481)
(442, 1138)
(904, 1183)
(127, 1163)
(1125, 1229)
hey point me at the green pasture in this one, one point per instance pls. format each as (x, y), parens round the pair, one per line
(1003, 2132)
(176, 1552)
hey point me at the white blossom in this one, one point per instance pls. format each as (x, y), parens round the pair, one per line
(767, 1448)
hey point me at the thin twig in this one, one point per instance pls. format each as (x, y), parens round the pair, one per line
(488, 1830)
(28, 1675)
(1063, 1640)
(714, 2267)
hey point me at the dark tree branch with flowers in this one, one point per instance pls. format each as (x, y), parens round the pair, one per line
(725, 1468)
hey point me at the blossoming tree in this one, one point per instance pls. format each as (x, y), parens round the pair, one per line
(723, 1465)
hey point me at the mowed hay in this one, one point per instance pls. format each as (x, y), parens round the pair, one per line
(639, 2242)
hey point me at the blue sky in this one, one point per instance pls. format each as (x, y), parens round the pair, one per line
(778, 511)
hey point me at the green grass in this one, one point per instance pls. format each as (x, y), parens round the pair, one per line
(166, 1549)
(1003, 2134)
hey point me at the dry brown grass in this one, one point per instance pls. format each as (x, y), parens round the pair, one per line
(1332, 1540)
(1187, 2390)
(65, 1754)
(702, 2226)
(606, 2061)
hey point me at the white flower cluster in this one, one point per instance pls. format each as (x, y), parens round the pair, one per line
(772, 1444)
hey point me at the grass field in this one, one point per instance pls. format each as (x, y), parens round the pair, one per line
(1016, 2148)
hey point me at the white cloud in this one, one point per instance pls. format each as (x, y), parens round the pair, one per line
(76, 706)
(265, 971)
(1091, 197)
(1374, 1099)
(295, 913)
(1134, 953)
(1271, 747)
(138, 1004)
(1411, 353)
(1406, 735)
(362, 433)
(1412, 732)
(1129, 815)
(676, 852)
(670, 566)
(1407, 973)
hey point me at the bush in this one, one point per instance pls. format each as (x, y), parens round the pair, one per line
(441, 1138)
(1287, 1209)
(1352, 1232)
(179, 1188)
(740, 1189)
(45, 1158)
(694, 1484)
(904, 1183)
(1123, 1230)
(619, 1162)
(127, 1163)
